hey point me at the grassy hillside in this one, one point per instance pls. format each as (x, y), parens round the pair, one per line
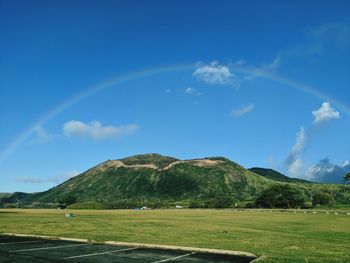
(3, 195)
(158, 177)
(274, 175)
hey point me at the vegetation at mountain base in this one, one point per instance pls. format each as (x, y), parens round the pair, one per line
(157, 181)
(281, 196)
(323, 198)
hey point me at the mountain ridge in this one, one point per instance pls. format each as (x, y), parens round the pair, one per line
(275, 175)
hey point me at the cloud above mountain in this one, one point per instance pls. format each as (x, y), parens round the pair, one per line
(96, 130)
(293, 162)
(327, 172)
(38, 180)
(325, 113)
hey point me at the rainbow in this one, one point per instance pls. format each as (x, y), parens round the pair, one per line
(90, 91)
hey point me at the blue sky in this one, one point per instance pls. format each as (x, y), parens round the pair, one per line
(264, 83)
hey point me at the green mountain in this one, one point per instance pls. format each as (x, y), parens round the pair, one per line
(156, 178)
(161, 177)
(274, 175)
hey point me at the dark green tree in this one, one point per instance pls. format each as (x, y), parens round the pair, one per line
(66, 200)
(347, 177)
(322, 198)
(281, 196)
(220, 202)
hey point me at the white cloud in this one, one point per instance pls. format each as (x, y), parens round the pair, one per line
(214, 73)
(327, 172)
(192, 91)
(242, 110)
(325, 113)
(189, 90)
(274, 65)
(96, 130)
(56, 179)
(42, 136)
(240, 62)
(293, 163)
(294, 167)
(31, 180)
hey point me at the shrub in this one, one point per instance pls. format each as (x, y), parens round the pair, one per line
(322, 198)
(281, 196)
(196, 204)
(66, 200)
(220, 202)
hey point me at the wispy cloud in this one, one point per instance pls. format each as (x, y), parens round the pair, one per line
(240, 62)
(189, 90)
(274, 65)
(42, 136)
(293, 162)
(95, 130)
(56, 179)
(327, 172)
(317, 40)
(215, 74)
(331, 33)
(31, 180)
(325, 113)
(192, 91)
(242, 110)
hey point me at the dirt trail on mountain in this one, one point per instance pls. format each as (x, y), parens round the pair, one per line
(117, 164)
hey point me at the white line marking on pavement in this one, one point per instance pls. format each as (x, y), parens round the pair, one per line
(102, 253)
(170, 259)
(21, 242)
(43, 248)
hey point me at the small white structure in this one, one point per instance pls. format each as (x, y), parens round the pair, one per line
(69, 215)
(179, 206)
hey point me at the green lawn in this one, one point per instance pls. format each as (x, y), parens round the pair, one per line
(281, 236)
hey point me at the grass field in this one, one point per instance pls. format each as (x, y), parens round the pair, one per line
(281, 236)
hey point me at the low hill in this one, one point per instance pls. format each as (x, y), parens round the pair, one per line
(276, 176)
(15, 198)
